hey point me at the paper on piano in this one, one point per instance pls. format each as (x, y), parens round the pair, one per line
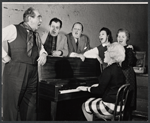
(93, 53)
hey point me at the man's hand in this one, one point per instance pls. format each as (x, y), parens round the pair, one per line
(6, 59)
(42, 59)
(73, 54)
(56, 53)
(82, 57)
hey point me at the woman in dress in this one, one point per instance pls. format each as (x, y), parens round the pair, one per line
(110, 80)
(105, 38)
(123, 37)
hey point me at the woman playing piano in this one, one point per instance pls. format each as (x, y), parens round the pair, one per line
(110, 80)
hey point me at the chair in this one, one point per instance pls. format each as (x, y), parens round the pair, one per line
(121, 99)
(140, 63)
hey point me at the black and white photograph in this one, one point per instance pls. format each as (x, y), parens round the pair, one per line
(74, 61)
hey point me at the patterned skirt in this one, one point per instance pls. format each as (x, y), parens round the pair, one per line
(99, 107)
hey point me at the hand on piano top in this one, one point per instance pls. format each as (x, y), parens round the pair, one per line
(83, 88)
(73, 54)
(54, 56)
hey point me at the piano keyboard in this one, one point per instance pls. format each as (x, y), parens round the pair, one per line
(69, 91)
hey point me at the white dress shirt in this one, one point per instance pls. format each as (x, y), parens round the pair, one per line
(9, 34)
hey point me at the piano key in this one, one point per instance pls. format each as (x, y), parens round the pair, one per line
(69, 91)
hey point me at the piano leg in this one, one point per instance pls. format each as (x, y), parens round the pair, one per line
(53, 110)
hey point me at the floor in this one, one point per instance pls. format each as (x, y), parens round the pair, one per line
(139, 119)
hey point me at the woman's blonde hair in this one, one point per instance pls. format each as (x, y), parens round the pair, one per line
(116, 52)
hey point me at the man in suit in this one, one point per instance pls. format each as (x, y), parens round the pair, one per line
(54, 42)
(78, 43)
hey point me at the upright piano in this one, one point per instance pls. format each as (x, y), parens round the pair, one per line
(60, 76)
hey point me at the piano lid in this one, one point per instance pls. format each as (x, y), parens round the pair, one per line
(68, 67)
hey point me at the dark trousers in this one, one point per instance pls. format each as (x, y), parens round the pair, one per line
(19, 91)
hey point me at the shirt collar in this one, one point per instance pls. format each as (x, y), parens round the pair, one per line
(105, 44)
(76, 40)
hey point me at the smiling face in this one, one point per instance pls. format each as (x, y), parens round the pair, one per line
(103, 37)
(36, 21)
(122, 38)
(77, 31)
(54, 28)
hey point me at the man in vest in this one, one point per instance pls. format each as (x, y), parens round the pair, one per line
(78, 43)
(55, 43)
(20, 76)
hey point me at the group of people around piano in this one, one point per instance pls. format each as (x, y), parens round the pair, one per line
(26, 49)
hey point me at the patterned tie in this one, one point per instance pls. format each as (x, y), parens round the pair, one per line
(53, 45)
(30, 38)
(77, 42)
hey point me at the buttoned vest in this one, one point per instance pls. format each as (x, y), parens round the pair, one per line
(17, 49)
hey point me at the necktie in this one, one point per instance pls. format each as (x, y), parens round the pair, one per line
(31, 36)
(53, 45)
(77, 42)
(30, 39)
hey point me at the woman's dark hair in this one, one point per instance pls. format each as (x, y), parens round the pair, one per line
(110, 39)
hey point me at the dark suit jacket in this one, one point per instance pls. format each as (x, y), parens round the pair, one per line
(109, 82)
(83, 45)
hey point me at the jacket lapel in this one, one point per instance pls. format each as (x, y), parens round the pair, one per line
(59, 38)
(43, 38)
(73, 43)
